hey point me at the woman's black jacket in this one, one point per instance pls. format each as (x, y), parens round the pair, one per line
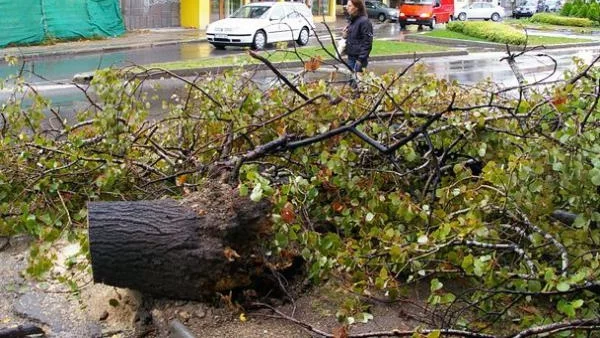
(359, 40)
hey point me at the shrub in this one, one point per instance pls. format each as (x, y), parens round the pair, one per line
(581, 11)
(491, 31)
(559, 20)
(567, 8)
(594, 12)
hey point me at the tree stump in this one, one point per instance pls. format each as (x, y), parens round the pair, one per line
(208, 242)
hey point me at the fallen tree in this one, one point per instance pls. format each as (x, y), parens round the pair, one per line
(209, 242)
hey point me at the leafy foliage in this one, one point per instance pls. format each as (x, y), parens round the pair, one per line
(582, 9)
(491, 31)
(417, 178)
(559, 20)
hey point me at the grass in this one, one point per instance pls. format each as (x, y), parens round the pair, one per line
(533, 39)
(380, 48)
(526, 23)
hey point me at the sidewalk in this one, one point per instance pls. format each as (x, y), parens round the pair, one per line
(132, 39)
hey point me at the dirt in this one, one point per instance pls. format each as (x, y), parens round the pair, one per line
(104, 311)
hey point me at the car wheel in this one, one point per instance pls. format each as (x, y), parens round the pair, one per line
(260, 40)
(432, 24)
(495, 17)
(218, 46)
(381, 17)
(303, 37)
(462, 16)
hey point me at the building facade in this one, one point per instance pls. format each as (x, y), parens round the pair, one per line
(140, 14)
(199, 13)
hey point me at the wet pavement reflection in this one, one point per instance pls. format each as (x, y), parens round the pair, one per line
(57, 68)
(475, 67)
(467, 69)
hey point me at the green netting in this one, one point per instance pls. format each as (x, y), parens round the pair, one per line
(32, 21)
(67, 19)
(20, 22)
(105, 16)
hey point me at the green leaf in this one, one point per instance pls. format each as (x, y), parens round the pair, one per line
(46, 219)
(534, 286)
(447, 298)
(563, 287)
(243, 190)
(565, 307)
(580, 222)
(436, 285)
(482, 150)
(595, 176)
(257, 193)
(434, 334)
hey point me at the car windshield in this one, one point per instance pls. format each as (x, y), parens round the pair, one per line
(380, 5)
(250, 12)
(419, 2)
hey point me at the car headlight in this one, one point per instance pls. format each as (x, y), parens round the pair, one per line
(424, 15)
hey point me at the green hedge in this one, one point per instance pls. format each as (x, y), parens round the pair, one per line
(582, 9)
(491, 31)
(559, 20)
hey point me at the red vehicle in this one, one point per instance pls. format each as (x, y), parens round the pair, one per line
(425, 12)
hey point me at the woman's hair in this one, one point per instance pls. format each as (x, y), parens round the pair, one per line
(360, 5)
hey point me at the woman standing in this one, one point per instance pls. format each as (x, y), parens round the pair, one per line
(359, 35)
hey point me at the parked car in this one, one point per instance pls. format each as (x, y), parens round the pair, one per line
(525, 10)
(425, 12)
(381, 11)
(481, 10)
(549, 6)
(260, 23)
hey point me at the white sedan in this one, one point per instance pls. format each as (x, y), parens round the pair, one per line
(260, 23)
(481, 10)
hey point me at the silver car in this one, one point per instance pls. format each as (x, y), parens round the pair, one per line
(381, 11)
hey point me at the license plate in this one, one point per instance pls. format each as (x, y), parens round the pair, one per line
(411, 19)
(221, 36)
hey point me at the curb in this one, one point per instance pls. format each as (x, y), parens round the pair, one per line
(91, 50)
(495, 45)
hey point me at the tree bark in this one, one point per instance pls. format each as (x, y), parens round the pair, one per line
(20, 331)
(186, 249)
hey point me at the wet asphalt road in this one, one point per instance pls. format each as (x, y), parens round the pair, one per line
(478, 65)
(62, 68)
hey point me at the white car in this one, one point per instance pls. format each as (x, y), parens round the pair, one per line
(481, 10)
(260, 23)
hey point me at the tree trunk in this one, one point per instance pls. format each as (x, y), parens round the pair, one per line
(185, 249)
(21, 331)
